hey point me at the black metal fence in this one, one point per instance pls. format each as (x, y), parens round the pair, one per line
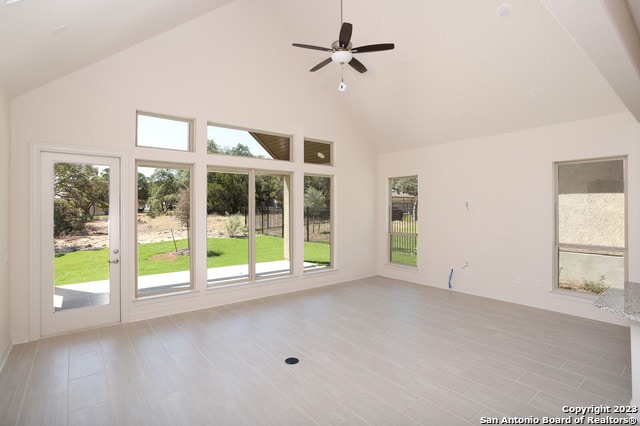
(404, 226)
(270, 221)
(317, 223)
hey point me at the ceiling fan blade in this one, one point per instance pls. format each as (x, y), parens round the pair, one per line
(373, 48)
(308, 46)
(320, 65)
(345, 34)
(357, 65)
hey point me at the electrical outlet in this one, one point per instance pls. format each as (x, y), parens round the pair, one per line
(539, 283)
(518, 280)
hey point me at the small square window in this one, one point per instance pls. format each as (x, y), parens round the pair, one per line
(317, 152)
(156, 131)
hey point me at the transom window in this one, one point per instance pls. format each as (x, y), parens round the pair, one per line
(157, 131)
(246, 143)
(317, 152)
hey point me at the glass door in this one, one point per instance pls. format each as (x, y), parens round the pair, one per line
(80, 241)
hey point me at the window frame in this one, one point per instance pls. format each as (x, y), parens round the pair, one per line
(391, 233)
(192, 285)
(331, 225)
(242, 129)
(585, 248)
(253, 276)
(309, 141)
(190, 133)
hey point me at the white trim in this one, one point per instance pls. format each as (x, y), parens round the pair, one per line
(4, 354)
(35, 231)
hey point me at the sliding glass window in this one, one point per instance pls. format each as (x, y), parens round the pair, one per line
(163, 229)
(248, 226)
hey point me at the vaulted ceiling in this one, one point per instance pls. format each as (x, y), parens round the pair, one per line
(459, 69)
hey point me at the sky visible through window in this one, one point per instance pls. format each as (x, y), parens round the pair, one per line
(229, 138)
(158, 132)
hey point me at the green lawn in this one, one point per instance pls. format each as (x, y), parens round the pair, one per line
(410, 259)
(157, 258)
(404, 249)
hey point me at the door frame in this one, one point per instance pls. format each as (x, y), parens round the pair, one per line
(35, 227)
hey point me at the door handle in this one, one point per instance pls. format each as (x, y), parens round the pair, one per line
(114, 261)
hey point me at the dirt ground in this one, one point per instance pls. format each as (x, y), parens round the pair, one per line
(150, 230)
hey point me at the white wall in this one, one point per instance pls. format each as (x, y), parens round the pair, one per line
(5, 343)
(193, 71)
(508, 230)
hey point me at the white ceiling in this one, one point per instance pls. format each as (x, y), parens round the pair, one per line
(458, 71)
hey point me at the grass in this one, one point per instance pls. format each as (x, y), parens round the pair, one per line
(159, 258)
(403, 250)
(402, 258)
(81, 266)
(319, 253)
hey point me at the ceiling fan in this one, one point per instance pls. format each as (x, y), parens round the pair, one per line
(342, 51)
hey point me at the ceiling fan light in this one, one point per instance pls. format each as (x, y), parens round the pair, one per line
(341, 56)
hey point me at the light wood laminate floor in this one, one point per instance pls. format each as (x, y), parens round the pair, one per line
(374, 351)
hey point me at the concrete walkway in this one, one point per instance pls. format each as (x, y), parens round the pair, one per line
(96, 293)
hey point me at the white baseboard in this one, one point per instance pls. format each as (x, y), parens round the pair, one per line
(4, 354)
(16, 339)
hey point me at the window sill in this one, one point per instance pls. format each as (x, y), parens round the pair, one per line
(152, 298)
(573, 295)
(401, 267)
(315, 271)
(261, 280)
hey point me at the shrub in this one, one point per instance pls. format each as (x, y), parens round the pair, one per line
(597, 287)
(234, 225)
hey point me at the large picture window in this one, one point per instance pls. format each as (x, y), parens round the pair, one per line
(403, 220)
(590, 231)
(163, 230)
(248, 226)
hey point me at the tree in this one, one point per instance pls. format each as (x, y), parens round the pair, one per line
(183, 210)
(79, 190)
(269, 189)
(143, 190)
(212, 147)
(408, 186)
(321, 184)
(227, 193)
(314, 198)
(240, 149)
(163, 190)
